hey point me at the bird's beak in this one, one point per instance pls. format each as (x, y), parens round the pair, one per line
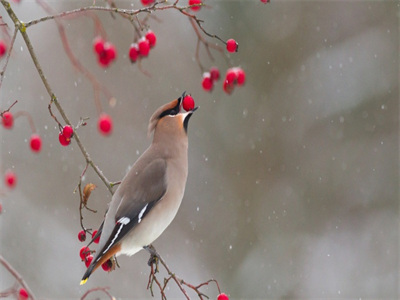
(180, 100)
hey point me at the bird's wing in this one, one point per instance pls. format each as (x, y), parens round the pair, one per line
(145, 189)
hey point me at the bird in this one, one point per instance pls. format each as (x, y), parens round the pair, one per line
(149, 196)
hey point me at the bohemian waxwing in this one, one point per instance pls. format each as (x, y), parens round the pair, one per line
(149, 196)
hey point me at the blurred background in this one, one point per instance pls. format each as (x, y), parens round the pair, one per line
(293, 187)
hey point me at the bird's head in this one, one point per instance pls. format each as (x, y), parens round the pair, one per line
(169, 121)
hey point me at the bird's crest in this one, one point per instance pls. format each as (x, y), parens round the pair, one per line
(171, 108)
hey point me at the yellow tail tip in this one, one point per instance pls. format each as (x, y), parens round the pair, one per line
(83, 281)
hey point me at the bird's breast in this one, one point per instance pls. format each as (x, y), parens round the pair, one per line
(162, 214)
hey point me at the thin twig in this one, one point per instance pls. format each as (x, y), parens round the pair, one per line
(17, 276)
(180, 282)
(8, 56)
(75, 61)
(10, 291)
(28, 116)
(54, 100)
(8, 109)
(96, 289)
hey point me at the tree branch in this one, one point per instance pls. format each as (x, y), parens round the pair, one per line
(22, 29)
(17, 276)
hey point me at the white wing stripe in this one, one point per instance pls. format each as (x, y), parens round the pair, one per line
(123, 221)
(141, 213)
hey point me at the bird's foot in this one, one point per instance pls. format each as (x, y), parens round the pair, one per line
(154, 258)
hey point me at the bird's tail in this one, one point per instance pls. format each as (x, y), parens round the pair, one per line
(99, 260)
(88, 273)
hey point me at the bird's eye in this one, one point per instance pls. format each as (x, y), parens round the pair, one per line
(169, 112)
(172, 111)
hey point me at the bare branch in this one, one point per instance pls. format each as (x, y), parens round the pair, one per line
(8, 109)
(17, 276)
(96, 289)
(155, 258)
(8, 55)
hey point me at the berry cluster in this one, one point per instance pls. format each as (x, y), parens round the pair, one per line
(65, 135)
(233, 76)
(82, 236)
(3, 48)
(209, 78)
(106, 51)
(86, 255)
(142, 48)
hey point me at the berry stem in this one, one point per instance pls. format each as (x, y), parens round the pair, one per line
(180, 282)
(96, 289)
(8, 109)
(8, 56)
(75, 61)
(28, 116)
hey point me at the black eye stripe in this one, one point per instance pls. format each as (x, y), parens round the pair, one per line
(168, 112)
(172, 111)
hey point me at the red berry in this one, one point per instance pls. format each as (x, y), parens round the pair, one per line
(228, 87)
(8, 120)
(68, 131)
(3, 48)
(10, 179)
(232, 45)
(23, 294)
(144, 46)
(107, 265)
(241, 76)
(222, 296)
(105, 124)
(88, 260)
(265, 1)
(104, 61)
(231, 76)
(98, 45)
(151, 37)
(97, 240)
(84, 252)
(188, 103)
(107, 55)
(134, 52)
(214, 73)
(146, 2)
(207, 82)
(36, 142)
(195, 2)
(63, 140)
(82, 236)
(110, 51)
